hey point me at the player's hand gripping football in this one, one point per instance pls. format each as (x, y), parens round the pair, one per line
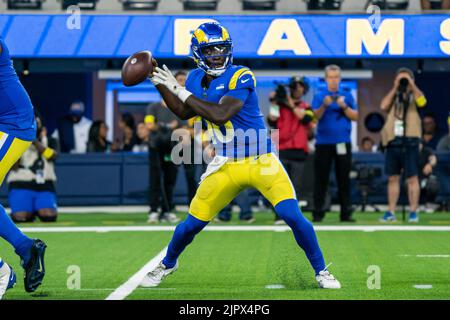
(165, 77)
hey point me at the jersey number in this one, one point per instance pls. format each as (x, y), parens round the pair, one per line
(216, 134)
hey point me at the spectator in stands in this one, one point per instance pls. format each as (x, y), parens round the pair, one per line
(335, 109)
(97, 138)
(444, 143)
(292, 117)
(401, 140)
(435, 4)
(163, 172)
(143, 134)
(73, 130)
(430, 135)
(129, 136)
(367, 145)
(32, 181)
(429, 186)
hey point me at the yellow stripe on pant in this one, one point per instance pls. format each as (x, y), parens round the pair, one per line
(11, 149)
(264, 173)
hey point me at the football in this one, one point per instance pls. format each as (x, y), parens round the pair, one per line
(137, 68)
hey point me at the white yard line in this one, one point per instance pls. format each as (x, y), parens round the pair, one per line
(231, 228)
(131, 284)
(426, 255)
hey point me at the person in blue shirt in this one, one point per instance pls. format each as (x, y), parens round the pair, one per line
(335, 109)
(224, 95)
(17, 131)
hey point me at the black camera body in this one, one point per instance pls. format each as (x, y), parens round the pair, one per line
(280, 94)
(403, 85)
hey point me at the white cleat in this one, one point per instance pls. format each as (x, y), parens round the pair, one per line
(7, 279)
(156, 276)
(327, 281)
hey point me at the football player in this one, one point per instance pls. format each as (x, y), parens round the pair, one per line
(224, 96)
(17, 131)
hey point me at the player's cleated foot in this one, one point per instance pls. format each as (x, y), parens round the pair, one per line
(413, 217)
(153, 217)
(388, 217)
(326, 280)
(169, 217)
(35, 267)
(7, 279)
(156, 276)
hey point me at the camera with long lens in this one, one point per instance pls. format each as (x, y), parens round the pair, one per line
(403, 85)
(280, 94)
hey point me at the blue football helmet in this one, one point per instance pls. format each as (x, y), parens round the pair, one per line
(209, 42)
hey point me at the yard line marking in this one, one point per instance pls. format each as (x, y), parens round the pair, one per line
(423, 286)
(232, 228)
(427, 255)
(275, 286)
(131, 284)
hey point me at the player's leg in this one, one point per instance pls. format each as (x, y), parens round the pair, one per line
(30, 251)
(270, 178)
(213, 194)
(45, 205)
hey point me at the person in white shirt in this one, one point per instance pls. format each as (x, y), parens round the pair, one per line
(73, 130)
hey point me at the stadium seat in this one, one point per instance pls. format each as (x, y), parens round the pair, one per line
(259, 4)
(83, 4)
(389, 4)
(140, 4)
(324, 4)
(25, 4)
(200, 4)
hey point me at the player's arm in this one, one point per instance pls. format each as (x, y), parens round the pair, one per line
(180, 109)
(219, 113)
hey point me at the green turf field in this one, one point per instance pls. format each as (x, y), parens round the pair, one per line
(240, 264)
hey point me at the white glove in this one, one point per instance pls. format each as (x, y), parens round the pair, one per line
(166, 78)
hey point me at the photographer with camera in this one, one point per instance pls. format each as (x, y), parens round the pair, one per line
(161, 122)
(293, 118)
(400, 137)
(32, 180)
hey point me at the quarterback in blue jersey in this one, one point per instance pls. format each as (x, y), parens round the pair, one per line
(17, 132)
(224, 96)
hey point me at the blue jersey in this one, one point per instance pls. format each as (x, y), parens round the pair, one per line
(245, 134)
(16, 109)
(334, 127)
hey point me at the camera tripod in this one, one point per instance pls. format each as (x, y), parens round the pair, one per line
(364, 189)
